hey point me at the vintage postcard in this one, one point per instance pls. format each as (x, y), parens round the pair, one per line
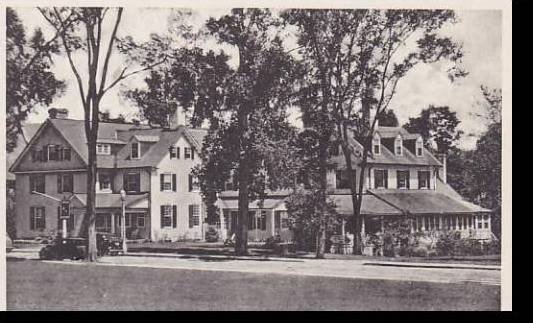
(256, 155)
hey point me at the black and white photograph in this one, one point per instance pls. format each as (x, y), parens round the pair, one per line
(256, 156)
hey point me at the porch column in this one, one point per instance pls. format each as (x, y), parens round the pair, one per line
(273, 222)
(113, 223)
(423, 224)
(441, 227)
(362, 224)
(382, 224)
(343, 233)
(490, 224)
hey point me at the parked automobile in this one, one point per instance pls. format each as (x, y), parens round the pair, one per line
(75, 248)
(9, 244)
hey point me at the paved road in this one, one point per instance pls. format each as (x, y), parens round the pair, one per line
(37, 285)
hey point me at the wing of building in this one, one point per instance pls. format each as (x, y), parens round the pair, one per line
(163, 201)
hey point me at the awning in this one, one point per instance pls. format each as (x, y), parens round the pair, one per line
(109, 200)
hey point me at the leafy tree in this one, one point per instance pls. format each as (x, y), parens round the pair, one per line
(29, 80)
(81, 30)
(438, 128)
(388, 119)
(249, 137)
(311, 217)
(355, 59)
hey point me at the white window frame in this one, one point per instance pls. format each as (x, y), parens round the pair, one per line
(167, 212)
(419, 146)
(103, 149)
(407, 180)
(38, 213)
(165, 189)
(138, 144)
(187, 153)
(385, 179)
(398, 143)
(143, 217)
(57, 152)
(195, 215)
(376, 142)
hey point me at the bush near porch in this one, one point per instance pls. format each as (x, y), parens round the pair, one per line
(398, 240)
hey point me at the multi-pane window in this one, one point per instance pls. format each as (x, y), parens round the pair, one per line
(189, 153)
(37, 183)
(65, 183)
(103, 149)
(104, 180)
(398, 145)
(376, 144)
(423, 179)
(194, 184)
(167, 216)
(419, 146)
(341, 179)
(53, 152)
(403, 179)
(135, 150)
(194, 215)
(483, 221)
(257, 222)
(141, 220)
(132, 182)
(103, 221)
(37, 218)
(168, 182)
(174, 152)
(281, 220)
(380, 178)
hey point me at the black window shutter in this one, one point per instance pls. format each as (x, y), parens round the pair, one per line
(45, 153)
(174, 182)
(407, 179)
(125, 182)
(44, 184)
(162, 181)
(190, 182)
(162, 215)
(44, 218)
(192, 152)
(32, 216)
(174, 216)
(191, 221)
(59, 226)
(59, 184)
(178, 152)
(386, 178)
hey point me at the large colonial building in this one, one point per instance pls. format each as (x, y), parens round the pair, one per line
(163, 201)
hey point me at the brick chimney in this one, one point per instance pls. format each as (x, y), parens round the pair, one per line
(443, 172)
(54, 113)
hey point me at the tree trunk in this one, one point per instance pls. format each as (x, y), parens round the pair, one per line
(90, 211)
(323, 168)
(241, 242)
(321, 241)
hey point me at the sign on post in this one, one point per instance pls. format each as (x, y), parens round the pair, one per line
(65, 210)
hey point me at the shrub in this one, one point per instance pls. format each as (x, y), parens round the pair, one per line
(469, 247)
(418, 251)
(271, 242)
(447, 243)
(211, 235)
(492, 247)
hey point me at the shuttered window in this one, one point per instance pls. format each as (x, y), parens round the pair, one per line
(37, 183)
(194, 215)
(167, 215)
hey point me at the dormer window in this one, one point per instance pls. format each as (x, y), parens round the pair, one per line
(103, 149)
(398, 146)
(376, 145)
(135, 148)
(419, 146)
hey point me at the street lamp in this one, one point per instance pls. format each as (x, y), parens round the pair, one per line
(123, 220)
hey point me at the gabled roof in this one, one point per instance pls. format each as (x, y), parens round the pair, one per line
(159, 139)
(392, 132)
(28, 131)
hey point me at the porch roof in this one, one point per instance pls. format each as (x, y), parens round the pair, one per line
(268, 203)
(427, 202)
(110, 200)
(371, 205)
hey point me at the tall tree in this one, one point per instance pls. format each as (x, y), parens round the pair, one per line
(356, 59)
(438, 128)
(81, 29)
(388, 119)
(249, 135)
(29, 79)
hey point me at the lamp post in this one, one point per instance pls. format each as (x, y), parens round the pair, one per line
(123, 220)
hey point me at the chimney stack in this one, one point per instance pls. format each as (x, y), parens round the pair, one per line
(54, 113)
(443, 173)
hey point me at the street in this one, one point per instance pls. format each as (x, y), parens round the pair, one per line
(124, 283)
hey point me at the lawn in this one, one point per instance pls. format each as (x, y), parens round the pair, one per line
(36, 285)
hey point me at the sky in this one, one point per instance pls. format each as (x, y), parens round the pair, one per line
(478, 30)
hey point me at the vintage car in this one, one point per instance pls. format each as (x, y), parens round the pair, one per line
(75, 248)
